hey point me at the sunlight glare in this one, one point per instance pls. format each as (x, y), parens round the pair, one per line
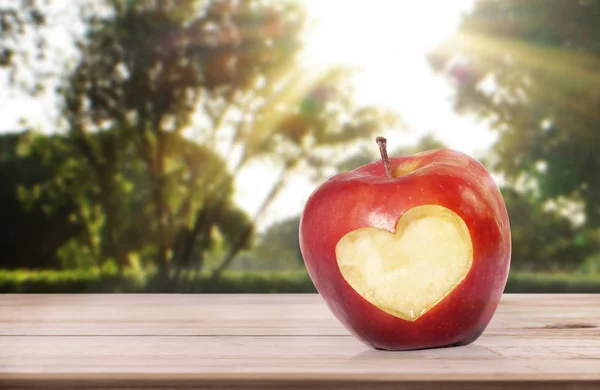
(387, 42)
(364, 33)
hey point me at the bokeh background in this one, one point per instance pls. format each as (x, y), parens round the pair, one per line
(169, 146)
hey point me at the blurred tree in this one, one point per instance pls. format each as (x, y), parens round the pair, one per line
(28, 49)
(532, 68)
(17, 20)
(157, 79)
(131, 221)
(279, 246)
(29, 238)
(543, 239)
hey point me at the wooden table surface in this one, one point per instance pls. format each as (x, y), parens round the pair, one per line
(281, 341)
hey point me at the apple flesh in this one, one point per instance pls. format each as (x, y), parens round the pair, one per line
(416, 260)
(408, 272)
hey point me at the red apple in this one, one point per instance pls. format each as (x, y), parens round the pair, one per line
(409, 254)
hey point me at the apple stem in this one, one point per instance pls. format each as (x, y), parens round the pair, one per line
(382, 142)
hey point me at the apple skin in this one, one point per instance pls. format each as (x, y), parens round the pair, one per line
(366, 197)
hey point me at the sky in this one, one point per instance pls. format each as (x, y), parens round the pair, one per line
(391, 49)
(389, 46)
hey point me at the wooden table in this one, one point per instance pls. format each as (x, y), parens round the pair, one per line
(281, 341)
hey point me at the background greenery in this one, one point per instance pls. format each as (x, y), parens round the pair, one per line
(168, 100)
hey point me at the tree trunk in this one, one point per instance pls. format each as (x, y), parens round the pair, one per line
(113, 249)
(102, 171)
(239, 244)
(203, 218)
(160, 207)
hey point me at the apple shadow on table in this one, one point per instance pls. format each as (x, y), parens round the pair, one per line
(473, 350)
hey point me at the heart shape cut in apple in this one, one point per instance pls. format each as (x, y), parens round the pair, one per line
(408, 272)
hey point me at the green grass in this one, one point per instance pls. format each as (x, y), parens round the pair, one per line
(71, 281)
(96, 281)
(527, 282)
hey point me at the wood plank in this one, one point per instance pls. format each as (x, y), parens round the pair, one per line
(327, 354)
(280, 341)
(219, 314)
(223, 314)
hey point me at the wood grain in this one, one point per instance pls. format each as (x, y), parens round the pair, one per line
(280, 341)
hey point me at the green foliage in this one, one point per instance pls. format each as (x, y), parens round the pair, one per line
(555, 283)
(20, 19)
(134, 229)
(531, 68)
(544, 240)
(29, 236)
(277, 248)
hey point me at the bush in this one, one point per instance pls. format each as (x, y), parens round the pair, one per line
(98, 281)
(553, 283)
